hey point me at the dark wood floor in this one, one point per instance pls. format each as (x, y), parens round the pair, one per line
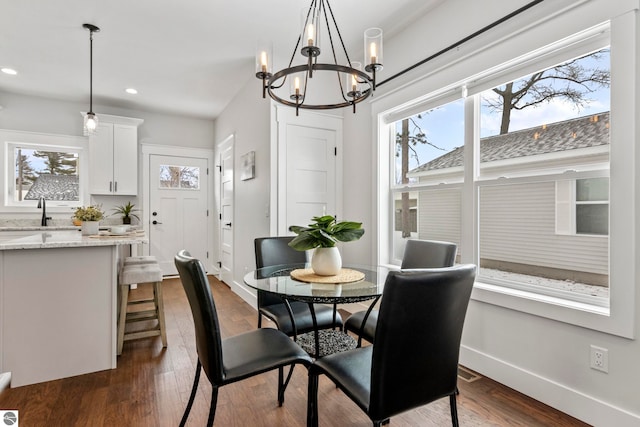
(151, 386)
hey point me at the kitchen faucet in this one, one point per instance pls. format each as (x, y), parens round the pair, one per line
(43, 205)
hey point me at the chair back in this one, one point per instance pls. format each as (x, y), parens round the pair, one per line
(417, 340)
(428, 254)
(273, 251)
(205, 318)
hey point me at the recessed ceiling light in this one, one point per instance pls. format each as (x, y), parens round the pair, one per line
(131, 90)
(9, 71)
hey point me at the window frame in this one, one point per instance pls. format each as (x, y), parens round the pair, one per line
(46, 142)
(618, 317)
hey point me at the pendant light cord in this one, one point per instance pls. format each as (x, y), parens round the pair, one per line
(91, 71)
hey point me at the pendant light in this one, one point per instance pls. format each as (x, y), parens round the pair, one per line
(90, 119)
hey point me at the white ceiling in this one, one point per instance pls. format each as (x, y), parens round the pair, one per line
(187, 57)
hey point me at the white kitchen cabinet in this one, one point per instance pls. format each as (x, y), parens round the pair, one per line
(113, 156)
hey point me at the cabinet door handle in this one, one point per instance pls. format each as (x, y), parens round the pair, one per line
(115, 187)
(110, 186)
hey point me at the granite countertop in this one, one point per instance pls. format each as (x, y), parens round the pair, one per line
(65, 238)
(38, 228)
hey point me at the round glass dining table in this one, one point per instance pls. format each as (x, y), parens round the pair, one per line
(277, 280)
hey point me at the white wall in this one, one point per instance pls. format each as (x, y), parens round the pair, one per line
(51, 116)
(359, 155)
(546, 359)
(247, 117)
(35, 114)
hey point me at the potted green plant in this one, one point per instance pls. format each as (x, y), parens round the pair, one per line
(127, 212)
(322, 235)
(90, 217)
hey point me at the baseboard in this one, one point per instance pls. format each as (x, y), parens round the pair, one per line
(5, 380)
(247, 294)
(575, 403)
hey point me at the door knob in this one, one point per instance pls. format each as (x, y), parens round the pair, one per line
(155, 222)
(228, 224)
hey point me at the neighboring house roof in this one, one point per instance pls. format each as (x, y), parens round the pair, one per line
(582, 132)
(54, 187)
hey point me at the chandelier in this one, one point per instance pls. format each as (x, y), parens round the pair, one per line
(353, 83)
(90, 119)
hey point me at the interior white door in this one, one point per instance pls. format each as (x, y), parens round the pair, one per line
(309, 149)
(178, 200)
(226, 210)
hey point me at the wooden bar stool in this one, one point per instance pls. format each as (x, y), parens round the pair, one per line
(132, 273)
(142, 259)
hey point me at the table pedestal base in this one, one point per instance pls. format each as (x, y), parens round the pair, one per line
(331, 341)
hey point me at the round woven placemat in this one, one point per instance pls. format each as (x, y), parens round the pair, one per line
(346, 275)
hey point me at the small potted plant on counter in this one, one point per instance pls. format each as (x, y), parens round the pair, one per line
(90, 217)
(127, 212)
(322, 236)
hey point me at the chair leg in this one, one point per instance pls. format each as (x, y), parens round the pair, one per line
(312, 400)
(280, 382)
(282, 385)
(214, 402)
(454, 410)
(194, 388)
(122, 318)
(159, 300)
(259, 320)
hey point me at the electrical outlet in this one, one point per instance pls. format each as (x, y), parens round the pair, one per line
(599, 358)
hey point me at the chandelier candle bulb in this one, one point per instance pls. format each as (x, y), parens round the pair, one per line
(310, 34)
(373, 46)
(264, 53)
(263, 60)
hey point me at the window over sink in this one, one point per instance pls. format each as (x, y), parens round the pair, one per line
(41, 165)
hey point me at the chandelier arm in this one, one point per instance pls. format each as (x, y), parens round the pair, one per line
(304, 93)
(364, 96)
(335, 24)
(282, 74)
(326, 4)
(295, 49)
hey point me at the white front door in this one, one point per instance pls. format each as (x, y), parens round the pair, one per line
(178, 200)
(225, 158)
(309, 184)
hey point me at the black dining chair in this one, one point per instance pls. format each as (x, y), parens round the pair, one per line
(275, 251)
(235, 358)
(417, 254)
(414, 358)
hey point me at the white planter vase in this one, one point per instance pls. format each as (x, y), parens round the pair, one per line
(326, 261)
(90, 228)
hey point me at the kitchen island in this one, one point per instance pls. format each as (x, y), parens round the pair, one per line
(58, 306)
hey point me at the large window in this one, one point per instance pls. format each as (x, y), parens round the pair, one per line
(514, 168)
(537, 130)
(427, 153)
